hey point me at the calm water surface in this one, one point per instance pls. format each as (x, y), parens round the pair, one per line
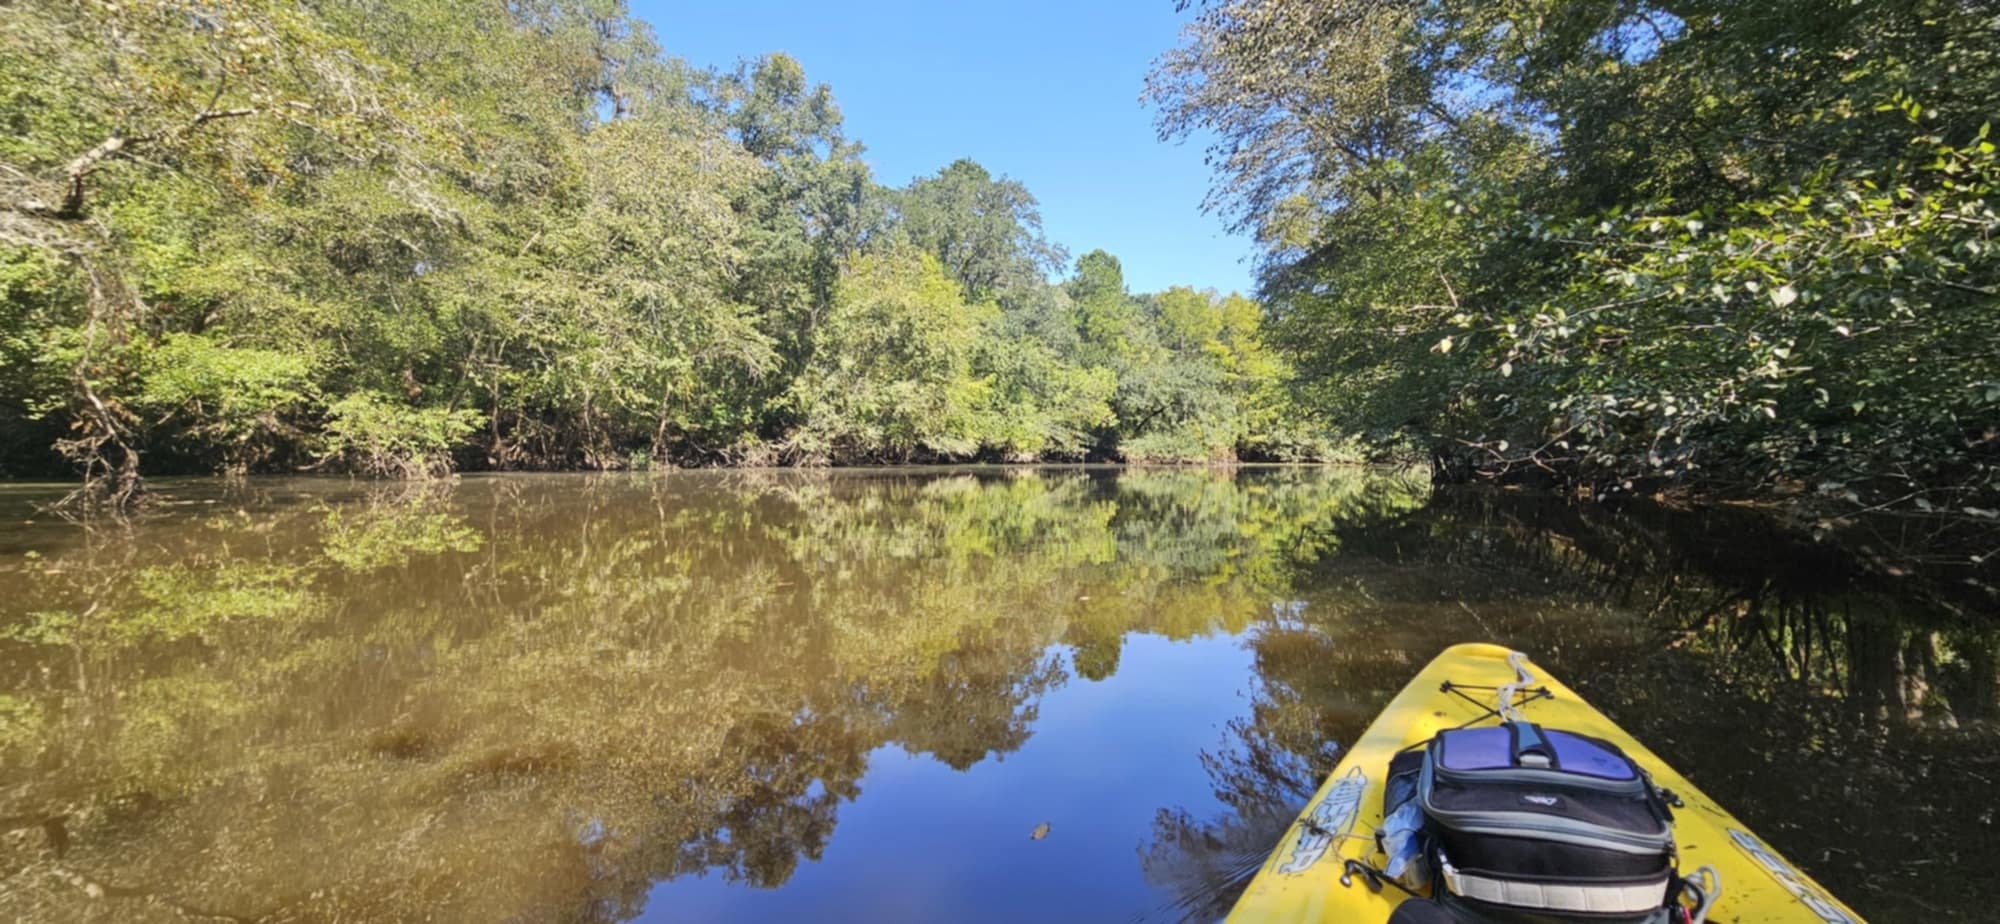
(861, 695)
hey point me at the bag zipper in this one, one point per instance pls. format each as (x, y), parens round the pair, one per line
(1549, 827)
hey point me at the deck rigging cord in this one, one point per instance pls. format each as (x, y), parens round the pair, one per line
(1508, 699)
(1509, 711)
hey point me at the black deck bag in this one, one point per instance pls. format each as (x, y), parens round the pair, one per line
(1532, 825)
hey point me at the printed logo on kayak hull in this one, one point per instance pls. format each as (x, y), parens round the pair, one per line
(1328, 822)
(1794, 882)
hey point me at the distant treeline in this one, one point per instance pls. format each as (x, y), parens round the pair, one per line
(1626, 245)
(407, 237)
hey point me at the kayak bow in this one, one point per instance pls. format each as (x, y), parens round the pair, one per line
(1307, 878)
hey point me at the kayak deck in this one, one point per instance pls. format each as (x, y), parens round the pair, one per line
(1302, 879)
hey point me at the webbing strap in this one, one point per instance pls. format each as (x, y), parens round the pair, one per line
(1547, 896)
(1531, 748)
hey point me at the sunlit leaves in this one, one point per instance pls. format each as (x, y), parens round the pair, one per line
(894, 372)
(519, 235)
(1732, 246)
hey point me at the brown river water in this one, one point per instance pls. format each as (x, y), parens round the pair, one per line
(1064, 694)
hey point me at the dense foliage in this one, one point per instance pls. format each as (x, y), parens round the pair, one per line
(1622, 243)
(414, 236)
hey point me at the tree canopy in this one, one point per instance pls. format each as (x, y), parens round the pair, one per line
(1740, 248)
(406, 238)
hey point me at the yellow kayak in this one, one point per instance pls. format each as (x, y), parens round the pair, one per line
(1306, 879)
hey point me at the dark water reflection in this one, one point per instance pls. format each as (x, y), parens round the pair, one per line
(856, 695)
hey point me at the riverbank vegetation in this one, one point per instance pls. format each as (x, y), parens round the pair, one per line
(1742, 249)
(1611, 247)
(406, 238)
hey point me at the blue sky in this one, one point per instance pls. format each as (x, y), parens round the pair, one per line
(1045, 92)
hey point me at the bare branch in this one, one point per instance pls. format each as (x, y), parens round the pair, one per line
(79, 168)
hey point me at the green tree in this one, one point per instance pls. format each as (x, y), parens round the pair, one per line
(895, 372)
(1107, 318)
(816, 204)
(1623, 243)
(122, 114)
(407, 237)
(987, 232)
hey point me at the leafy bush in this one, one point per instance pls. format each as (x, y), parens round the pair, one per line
(233, 404)
(376, 435)
(1183, 445)
(1826, 335)
(894, 371)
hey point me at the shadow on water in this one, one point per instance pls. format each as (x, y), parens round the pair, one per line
(556, 698)
(1841, 706)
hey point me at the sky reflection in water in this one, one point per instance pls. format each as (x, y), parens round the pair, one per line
(845, 695)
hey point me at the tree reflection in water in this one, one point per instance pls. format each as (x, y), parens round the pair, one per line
(537, 698)
(1841, 704)
(531, 698)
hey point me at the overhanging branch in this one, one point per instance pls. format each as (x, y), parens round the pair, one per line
(80, 168)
